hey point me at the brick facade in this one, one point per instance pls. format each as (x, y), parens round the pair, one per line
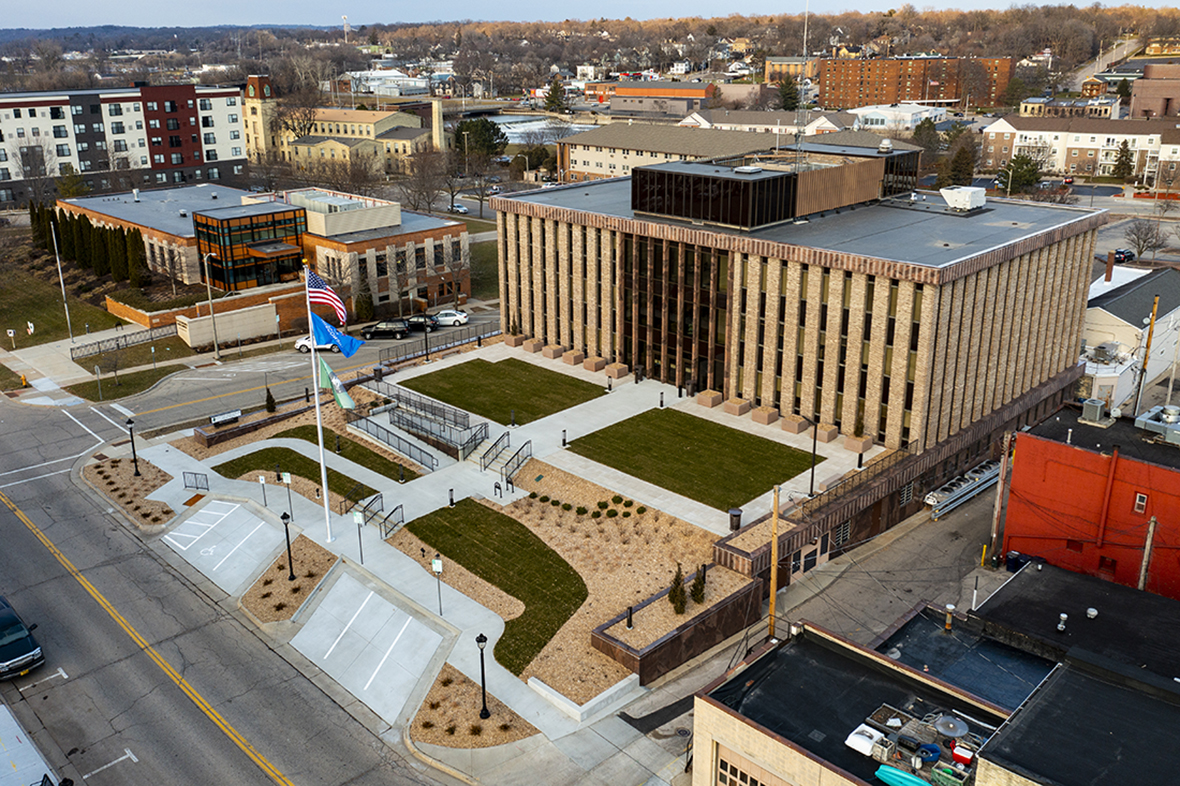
(846, 83)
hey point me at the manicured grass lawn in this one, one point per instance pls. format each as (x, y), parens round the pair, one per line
(129, 384)
(503, 552)
(475, 225)
(138, 355)
(24, 298)
(494, 390)
(351, 450)
(696, 458)
(289, 461)
(9, 380)
(485, 271)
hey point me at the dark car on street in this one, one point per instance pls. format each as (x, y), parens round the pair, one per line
(390, 328)
(1124, 255)
(19, 651)
(425, 322)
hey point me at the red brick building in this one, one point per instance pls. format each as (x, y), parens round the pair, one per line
(846, 83)
(1084, 498)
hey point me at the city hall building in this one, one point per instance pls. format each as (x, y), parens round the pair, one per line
(815, 281)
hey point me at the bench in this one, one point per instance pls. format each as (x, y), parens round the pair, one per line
(225, 417)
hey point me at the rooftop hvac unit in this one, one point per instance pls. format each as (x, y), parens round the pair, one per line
(964, 198)
(747, 170)
(885, 147)
(1092, 409)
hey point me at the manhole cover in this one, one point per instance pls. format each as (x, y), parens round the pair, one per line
(683, 732)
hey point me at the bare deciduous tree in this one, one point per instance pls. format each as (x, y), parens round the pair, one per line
(297, 112)
(425, 181)
(1143, 236)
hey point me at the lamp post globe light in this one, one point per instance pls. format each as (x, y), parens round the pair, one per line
(482, 641)
(131, 434)
(286, 517)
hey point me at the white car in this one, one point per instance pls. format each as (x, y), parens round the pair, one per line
(304, 346)
(452, 317)
(457, 208)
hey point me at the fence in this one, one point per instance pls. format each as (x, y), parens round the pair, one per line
(493, 453)
(427, 406)
(478, 435)
(851, 484)
(196, 480)
(402, 446)
(451, 338)
(122, 341)
(517, 461)
(351, 498)
(388, 527)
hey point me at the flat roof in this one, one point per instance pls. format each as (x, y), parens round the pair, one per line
(243, 211)
(815, 692)
(1133, 442)
(924, 233)
(991, 670)
(1137, 629)
(411, 222)
(160, 208)
(1084, 728)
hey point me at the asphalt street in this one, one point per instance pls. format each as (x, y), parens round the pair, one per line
(151, 675)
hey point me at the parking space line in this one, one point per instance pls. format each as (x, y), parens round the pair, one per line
(349, 625)
(240, 544)
(208, 527)
(391, 646)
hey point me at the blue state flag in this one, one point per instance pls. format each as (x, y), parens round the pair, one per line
(326, 334)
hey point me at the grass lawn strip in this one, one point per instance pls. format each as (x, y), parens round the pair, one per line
(494, 390)
(485, 271)
(351, 450)
(138, 355)
(503, 552)
(128, 384)
(26, 298)
(713, 464)
(289, 461)
(9, 380)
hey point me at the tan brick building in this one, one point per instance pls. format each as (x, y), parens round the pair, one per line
(816, 287)
(846, 83)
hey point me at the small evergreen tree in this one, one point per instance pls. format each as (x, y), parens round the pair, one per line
(962, 167)
(555, 101)
(1124, 88)
(65, 236)
(99, 259)
(81, 242)
(270, 401)
(788, 94)
(36, 225)
(117, 253)
(136, 271)
(698, 586)
(70, 183)
(927, 137)
(676, 594)
(1124, 163)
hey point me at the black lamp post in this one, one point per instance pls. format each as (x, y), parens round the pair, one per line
(131, 433)
(482, 641)
(814, 441)
(290, 562)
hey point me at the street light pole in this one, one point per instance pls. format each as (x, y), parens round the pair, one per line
(131, 434)
(212, 317)
(286, 517)
(814, 446)
(482, 641)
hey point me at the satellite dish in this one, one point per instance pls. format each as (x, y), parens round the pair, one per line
(950, 726)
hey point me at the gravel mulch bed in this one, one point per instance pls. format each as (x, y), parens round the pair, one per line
(759, 535)
(115, 478)
(659, 618)
(623, 560)
(455, 575)
(273, 598)
(449, 716)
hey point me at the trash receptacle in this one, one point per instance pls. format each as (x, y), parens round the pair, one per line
(995, 561)
(735, 519)
(1012, 561)
(378, 373)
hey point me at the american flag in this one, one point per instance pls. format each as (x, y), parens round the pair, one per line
(319, 292)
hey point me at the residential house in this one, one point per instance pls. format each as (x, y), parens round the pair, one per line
(612, 150)
(1105, 107)
(1082, 146)
(890, 118)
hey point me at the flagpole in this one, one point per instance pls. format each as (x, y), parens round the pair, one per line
(319, 421)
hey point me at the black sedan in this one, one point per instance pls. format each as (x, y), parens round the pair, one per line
(19, 651)
(425, 322)
(391, 328)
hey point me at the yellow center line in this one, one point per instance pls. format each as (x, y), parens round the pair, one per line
(142, 643)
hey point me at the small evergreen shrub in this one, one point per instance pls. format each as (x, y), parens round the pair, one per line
(628, 503)
(566, 506)
(544, 497)
(596, 514)
(610, 514)
(532, 495)
(640, 510)
(616, 499)
(676, 594)
(581, 511)
(626, 514)
(698, 586)
(603, 505)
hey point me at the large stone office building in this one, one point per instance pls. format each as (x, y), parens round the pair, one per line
(816, 282)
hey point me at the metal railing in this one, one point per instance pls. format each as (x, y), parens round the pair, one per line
(122, 341)
(351, 498)
(436, 342)
(851, 484)
(196, 480)
(423, 425)
(388, 527)
(517, 461)
(493, 453)
(396, 443)
(424, 404)
(374, 506)
(478, 435)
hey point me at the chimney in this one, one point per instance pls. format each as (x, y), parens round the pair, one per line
(1109, 266)
(135, 194)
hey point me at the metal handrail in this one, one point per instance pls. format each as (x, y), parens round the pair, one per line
(478, 435)
(424, 404)
(452, 338)
(493, 453)
(399, 517)
(517, 461)
(349, 501)
(396, 443)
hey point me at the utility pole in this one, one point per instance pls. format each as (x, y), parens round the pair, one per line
(1007, 443)
(773, 559)
(1145, 565)
(1146, 354)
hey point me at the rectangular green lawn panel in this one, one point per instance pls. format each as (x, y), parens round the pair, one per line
(351, 450)
(718, 466)
(503, 552)
(289, 461)
(494, 390)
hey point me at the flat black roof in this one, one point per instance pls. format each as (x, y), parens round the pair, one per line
(1001, 674)
(1133, 628)
(815, 692)
(1133, 442)
(1083, 728)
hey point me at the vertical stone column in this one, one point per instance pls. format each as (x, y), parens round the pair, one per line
(903, 329)
(808, 405)
(927, 330)
(594, 273)
(876, 372)
(577, 271)
(772, 333)
(748, 275)
(827, 403)
(509, 263)
(852, 373)
(565, 318)
(553, 309)
(792, 297)
(538, 306)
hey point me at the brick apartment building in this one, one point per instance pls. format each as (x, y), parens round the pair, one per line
(119, 138)
(846, 83)
(1157, 93)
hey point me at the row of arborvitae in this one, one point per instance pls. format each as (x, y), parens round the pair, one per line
(677, 595)
(100, 249)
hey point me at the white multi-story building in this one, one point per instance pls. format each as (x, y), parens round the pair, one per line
(119, 139)
(1084, 146)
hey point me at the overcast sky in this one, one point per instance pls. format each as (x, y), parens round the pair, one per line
(151, 13)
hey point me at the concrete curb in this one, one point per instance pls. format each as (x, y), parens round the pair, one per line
(434, 763)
